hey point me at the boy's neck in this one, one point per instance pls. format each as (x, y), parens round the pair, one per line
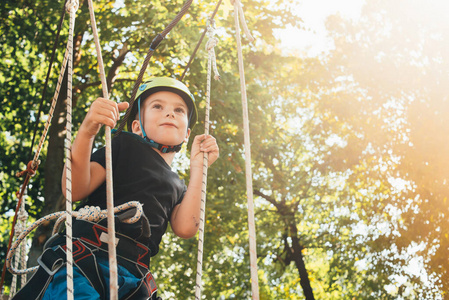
(168, 157)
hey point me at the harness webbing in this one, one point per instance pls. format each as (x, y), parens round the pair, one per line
(249, 183)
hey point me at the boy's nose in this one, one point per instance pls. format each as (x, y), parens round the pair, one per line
(170, 114)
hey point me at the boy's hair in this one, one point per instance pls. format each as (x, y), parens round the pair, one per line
(158, 84)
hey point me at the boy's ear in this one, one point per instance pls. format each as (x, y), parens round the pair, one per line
(136, 127)
(187, 135)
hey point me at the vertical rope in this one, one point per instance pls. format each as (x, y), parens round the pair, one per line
(23, 217)
(249, 182)
(211, 60)
(113, 281)
(19, 253)
(72, 7)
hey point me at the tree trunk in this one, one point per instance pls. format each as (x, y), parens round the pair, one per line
(298, 258)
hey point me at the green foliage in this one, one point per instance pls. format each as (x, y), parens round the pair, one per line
(344, 179)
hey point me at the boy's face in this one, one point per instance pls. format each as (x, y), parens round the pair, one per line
(164, 116)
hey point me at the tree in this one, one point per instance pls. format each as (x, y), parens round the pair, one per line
(394, 61)
(125, 37)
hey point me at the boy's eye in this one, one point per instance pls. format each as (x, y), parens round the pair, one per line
(157, 106)
(180, 110)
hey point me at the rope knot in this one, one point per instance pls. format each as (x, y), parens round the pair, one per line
(72, 4)
(30, 170)
(211, 43)
(210, 47)
(90, 213)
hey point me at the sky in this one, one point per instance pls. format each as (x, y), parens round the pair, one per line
(312, 42)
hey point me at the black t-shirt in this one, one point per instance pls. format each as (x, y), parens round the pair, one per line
(141, 174)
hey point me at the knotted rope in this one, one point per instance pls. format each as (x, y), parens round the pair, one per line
(249, 183)
(89, 213)
(211, 61)
(199, 42)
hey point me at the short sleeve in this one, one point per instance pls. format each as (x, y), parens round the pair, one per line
(99, 156)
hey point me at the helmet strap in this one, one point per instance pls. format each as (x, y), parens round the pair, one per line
(160, 147)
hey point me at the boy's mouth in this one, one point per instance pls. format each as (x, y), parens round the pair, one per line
(169, 124)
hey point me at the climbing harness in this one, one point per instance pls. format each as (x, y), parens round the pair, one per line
(90, 236)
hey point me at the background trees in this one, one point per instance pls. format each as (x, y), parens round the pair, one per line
(350, 172)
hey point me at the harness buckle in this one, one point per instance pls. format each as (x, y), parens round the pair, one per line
(50, 256)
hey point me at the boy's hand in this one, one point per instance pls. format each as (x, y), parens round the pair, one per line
(102, 112)
(203, 144)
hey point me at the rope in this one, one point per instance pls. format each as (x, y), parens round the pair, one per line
(85, 215)
(34, 164)
(113, 275)
(153, 47)
(55, 45)
(30, 172)
(19, 252)
(249, 184)
(72, 7)
(199, 42)
(211, 60)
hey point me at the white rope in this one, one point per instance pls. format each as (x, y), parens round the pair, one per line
(211, 60)
(61, 215)
(113, 281)
(249, 182)
(72, 7)
(18, 228)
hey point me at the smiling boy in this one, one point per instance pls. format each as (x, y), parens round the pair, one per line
(161, 122)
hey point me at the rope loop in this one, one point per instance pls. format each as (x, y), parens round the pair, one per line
(72, 4)
(89, 212)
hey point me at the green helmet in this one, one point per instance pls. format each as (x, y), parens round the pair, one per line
(157, 84)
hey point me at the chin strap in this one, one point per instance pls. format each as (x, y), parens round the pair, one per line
(160, 147)
(163, 148)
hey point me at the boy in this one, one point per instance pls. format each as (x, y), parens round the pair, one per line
(164, 117)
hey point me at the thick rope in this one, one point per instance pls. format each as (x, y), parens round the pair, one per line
(88, 214)
(211, 60)
(199, 42)
(249, 182)
(153, 47)
(72, 7)
(113, 282)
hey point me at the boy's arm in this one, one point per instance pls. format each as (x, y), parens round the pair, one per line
(185, 218)
(87, 175)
